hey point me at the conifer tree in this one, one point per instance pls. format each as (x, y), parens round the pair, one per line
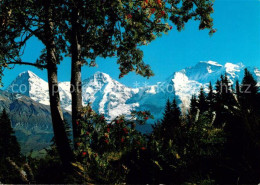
(10, 153)
(218, 91)
(9, 147)
(238, 91)
(218, 106)
(227, 95)
(242, 148)
(202, 103)
(250, 91)
(210, 98)
(170, 121)
(176, 113)
(167, 114)
(224, 100)
(193, 105)
(175, 121)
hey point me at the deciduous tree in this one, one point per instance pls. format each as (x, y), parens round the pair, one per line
(118, 28)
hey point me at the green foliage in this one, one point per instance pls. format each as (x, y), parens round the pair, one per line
(186, 156)
(170, 121)
(86, 30)
(102, 145)
(167, 112)
(9, 147)
(242, 150)
(180, 150)
(250, 91)
(49, 169)
(9, 152)
(104, 28)
(217, 145)
(118, 28)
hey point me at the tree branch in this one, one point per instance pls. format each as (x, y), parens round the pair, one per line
(19, 170)
(28, 63)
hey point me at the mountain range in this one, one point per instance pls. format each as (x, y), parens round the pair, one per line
(27, 97)
(111, 98)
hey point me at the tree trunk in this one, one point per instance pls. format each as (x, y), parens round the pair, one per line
(60, 135)
(61, 138)
(76, 88)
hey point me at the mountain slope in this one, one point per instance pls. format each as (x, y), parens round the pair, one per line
(27, 97)
(107, 95)
(31, 120)
(112, 98)
(186, 82)
(29, 84)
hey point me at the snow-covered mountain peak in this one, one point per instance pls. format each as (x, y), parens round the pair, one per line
(213, 63)
(257, 72)
(29, 84)
(207, 63)
(25, 80)
(99, 74)
(31, 74)
(99, 78)
(112, 98)
(26, 75)
(202, 71)
(232, 69)
(107, 95)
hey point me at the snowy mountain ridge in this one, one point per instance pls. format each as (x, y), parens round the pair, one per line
(112, 98)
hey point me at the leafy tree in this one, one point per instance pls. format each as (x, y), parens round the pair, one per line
(114, 26)
(103, 149)
(118, 28)
(93, 29)
(22, 20)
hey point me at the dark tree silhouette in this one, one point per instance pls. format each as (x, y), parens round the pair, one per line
(202, 102)
(193, 105)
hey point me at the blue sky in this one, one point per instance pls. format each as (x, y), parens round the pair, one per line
(237, 40)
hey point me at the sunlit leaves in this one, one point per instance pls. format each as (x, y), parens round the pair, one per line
(104, 28)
